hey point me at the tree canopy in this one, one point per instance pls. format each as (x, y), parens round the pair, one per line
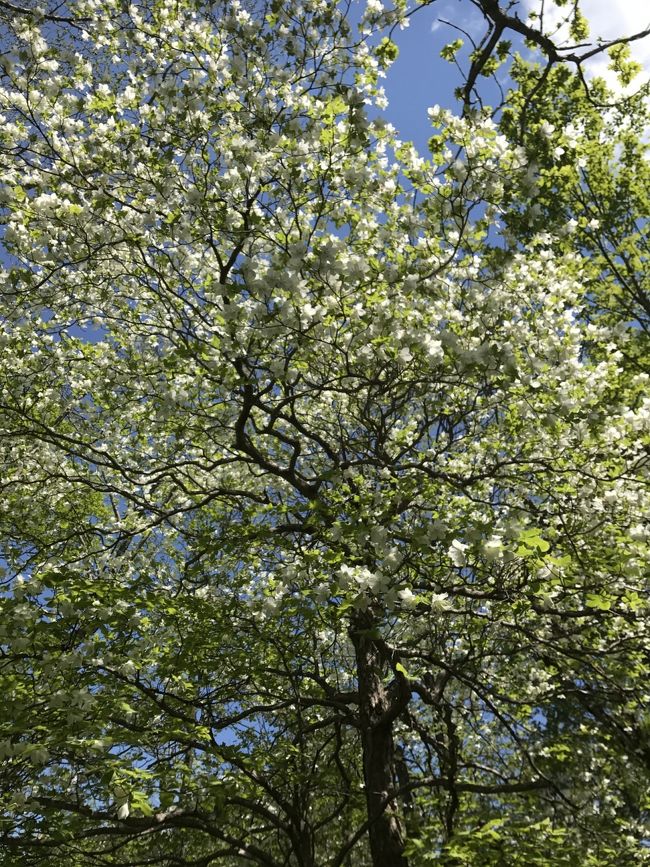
(323, 527)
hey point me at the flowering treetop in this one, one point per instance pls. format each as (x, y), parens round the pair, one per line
(323, 534)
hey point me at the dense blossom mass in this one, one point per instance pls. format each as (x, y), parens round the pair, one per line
(323, 530)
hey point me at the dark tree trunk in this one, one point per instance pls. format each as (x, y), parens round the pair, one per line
(376, 715)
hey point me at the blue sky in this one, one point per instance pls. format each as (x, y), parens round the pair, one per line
(419, 78)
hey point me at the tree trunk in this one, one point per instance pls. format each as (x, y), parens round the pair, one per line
(376, 717)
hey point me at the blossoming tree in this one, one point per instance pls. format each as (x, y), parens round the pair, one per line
(323, 462)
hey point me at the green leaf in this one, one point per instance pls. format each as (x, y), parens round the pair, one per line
(601, 603)
(531, 543)
(140, 801)
(451, 49)
(387, 51)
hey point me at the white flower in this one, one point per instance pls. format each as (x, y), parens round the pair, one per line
(492, 548)
(392, 560)
(437, 530)
(374, 7)
(128, 668)
(322, 593)
(432, 347)
(407, 598)
(456, 552)
(362, 577)
(129, 94)
(440, 602)
(639, 531)
(310, 313)
(572, 135)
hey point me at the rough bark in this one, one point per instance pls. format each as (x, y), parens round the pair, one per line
(377, 711)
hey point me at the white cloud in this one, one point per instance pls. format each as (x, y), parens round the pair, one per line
(608, 19)
(472, 22)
